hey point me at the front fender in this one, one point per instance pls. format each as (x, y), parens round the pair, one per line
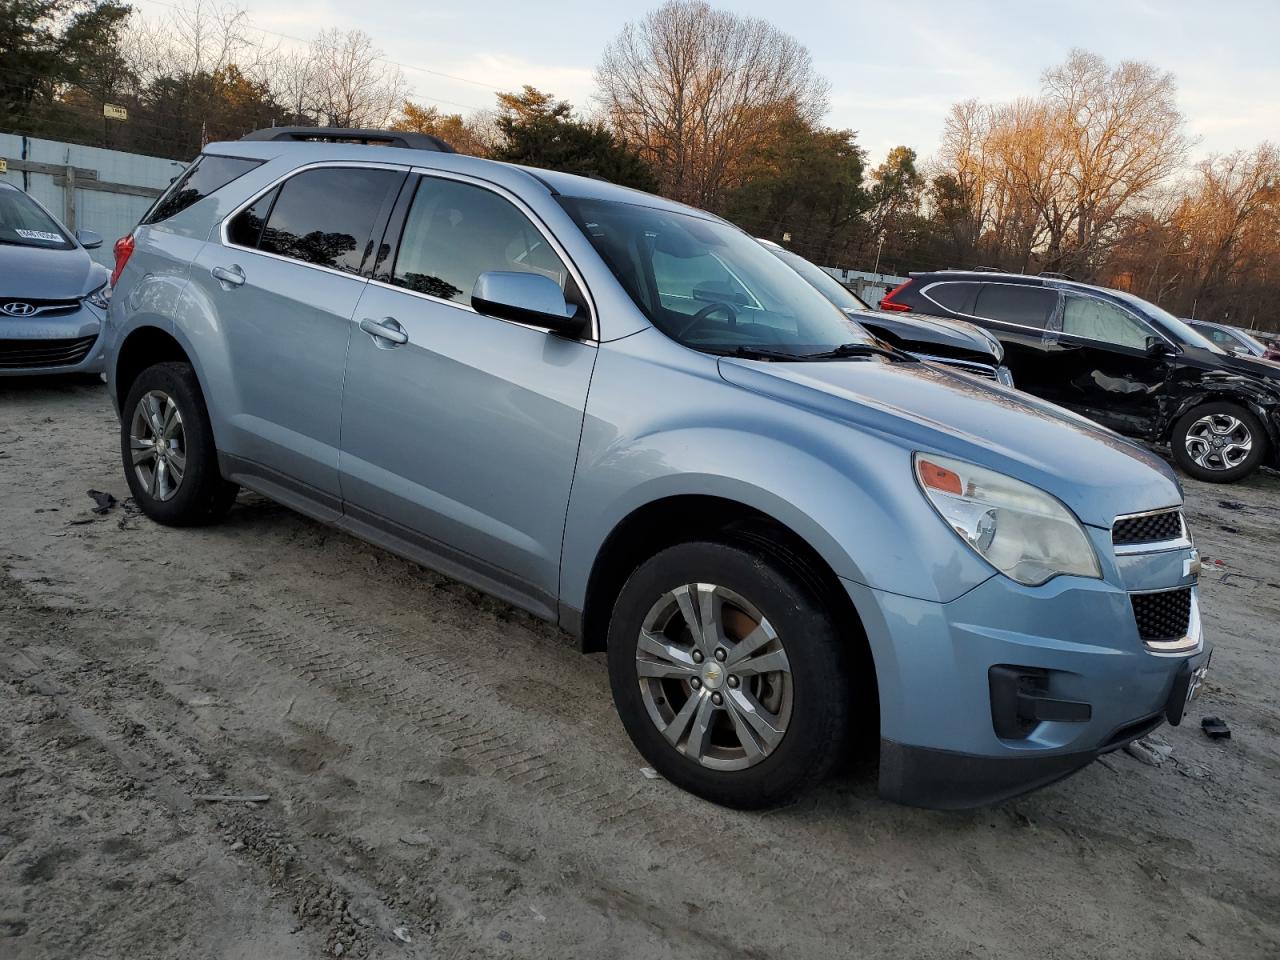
(1256, 398)
(657, 430)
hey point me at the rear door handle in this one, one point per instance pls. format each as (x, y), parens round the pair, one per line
(231, 276)
(385, 329)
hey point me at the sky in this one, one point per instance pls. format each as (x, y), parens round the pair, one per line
(895, 67)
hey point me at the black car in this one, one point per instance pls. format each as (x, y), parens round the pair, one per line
(959, 345)
(1119, 360)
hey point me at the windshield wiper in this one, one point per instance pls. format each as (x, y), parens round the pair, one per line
(759, 353)
(859, 350)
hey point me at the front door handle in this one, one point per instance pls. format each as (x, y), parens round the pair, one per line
(231, 276)
(385, 329)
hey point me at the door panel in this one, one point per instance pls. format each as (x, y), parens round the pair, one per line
(1107, 372)
(283, 289)
(1019, 316)
(285, 328)
(466, 433)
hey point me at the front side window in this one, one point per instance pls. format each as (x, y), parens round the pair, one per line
(456, 231)
(708, 285)
(1024, 305)
(1098, 320)
(23, 223)
(210, 172)
(323, 216)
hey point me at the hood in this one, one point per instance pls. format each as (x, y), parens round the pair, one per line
(1236, 363)
(929, 334)
(36, 274)
(1095, 472)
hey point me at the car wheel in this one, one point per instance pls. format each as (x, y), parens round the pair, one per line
(1219, 442)
(166, 443)
(729, 675)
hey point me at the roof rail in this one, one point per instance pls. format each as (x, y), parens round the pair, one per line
(378, 138)
(1055, 275)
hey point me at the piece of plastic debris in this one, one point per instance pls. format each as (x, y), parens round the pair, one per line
(649, 773)
(104, 501)
(1152, 754)
(402, 934)
(1216, 728)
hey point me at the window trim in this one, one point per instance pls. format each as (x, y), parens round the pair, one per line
(223, 226)
(538, 224)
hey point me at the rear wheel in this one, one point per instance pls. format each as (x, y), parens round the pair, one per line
(728, 674)
(166, 443)
(1219, 442)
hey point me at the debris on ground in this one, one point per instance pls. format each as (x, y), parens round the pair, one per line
(649, 773)
(402, 934)
(104, 501)
(1216, 728)
(1149, 750)
(228, 798)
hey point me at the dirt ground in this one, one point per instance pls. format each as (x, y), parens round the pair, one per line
(447, 777)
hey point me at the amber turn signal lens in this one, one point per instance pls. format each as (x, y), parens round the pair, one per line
(939, 478)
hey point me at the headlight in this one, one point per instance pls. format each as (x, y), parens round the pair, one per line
(1019, 529)
(101, 297)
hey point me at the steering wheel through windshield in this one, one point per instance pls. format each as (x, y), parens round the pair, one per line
(701, 316)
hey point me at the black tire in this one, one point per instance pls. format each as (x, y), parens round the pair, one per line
(821, 690)
(202, 496)
(1218, 474)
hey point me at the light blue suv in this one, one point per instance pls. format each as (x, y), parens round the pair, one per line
(629, 418)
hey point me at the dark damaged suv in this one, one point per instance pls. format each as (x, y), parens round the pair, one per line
(1119, 360)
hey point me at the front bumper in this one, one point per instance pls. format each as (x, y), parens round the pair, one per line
(69, 342)
(942, 743)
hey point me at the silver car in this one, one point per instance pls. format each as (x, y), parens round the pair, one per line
(53, 297)
(625, 416)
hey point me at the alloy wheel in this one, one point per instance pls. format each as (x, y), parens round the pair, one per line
(1219, 441)
(714, 676)
(158, 445)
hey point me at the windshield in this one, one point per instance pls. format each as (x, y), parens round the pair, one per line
(708, 285)
(1253, 346)
(23, 223)
(1169, 323)
(820, 280)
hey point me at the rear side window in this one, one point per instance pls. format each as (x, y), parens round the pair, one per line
(1013, 303)
(210, 172)
(457, 231)
(323, 217)
(956, 297)
(245, 229)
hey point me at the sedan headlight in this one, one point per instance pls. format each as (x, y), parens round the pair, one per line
(101, 297)
(1023, 532)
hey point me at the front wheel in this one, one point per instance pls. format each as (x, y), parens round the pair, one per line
(166, 443)
(729, 675)
(1218, 442)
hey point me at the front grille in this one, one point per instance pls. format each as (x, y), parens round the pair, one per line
(1148, 528)
(1162, 616)
(23, 354)
(32, 308)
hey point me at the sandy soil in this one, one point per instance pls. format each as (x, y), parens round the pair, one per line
(447, 777)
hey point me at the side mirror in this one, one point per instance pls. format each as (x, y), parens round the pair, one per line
(527, 298)
(88, 239)
(1156, 347)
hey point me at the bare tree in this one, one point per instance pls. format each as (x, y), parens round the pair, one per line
(1052, 178)
(697, 90)
(353, 86)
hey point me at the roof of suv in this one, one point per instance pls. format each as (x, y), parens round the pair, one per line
(995, 276)
(510, 175)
